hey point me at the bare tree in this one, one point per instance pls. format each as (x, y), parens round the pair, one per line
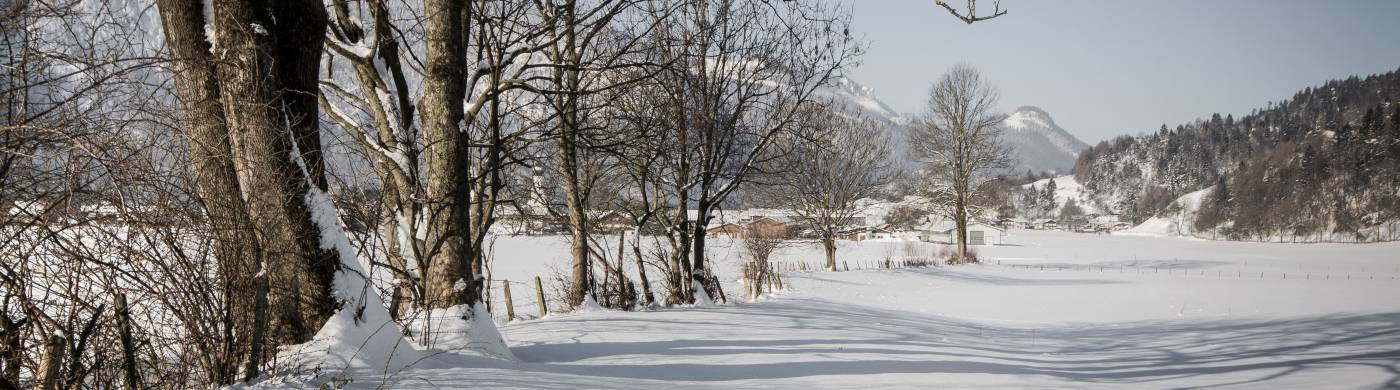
(827, 175)
(759, 275)
(644, 199)
(960, 140)
(432, 95)
(743, 71)
(265, 61)
(105, 210)
(264, 81)
(590, 54)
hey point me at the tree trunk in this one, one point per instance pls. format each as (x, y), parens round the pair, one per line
(698, 273)
(236, 249)
(129, 373)
(259, 331)
(399, 240)
(623, 300)
(961, 222)
(11, 348)
(647, 296)
(300, 40)
(579, 282)
(255, 82)
(829, 245)
(445, 157)
(46, 375)
(566, 103)
(680, 256)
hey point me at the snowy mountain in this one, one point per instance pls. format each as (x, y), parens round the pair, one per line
(848, 91)
(861, 100)
(1038, 144)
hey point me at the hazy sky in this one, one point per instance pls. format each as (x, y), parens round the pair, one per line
(1104, 68)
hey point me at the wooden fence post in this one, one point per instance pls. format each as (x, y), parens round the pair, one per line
(510, 305)
(539, 297)
(779, 278)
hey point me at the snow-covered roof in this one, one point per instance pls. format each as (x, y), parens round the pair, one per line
(866, 229)
(947, 225)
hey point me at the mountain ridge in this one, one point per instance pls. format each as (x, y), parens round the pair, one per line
(1038, 143)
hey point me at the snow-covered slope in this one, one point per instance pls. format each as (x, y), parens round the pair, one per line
(1038, 143)
(862, 100)
(1067, 188)
(1176, 220)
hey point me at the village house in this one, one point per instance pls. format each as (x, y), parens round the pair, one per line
(764, 226)
(978, 233)
(1012, 223)
(727, 230)
(772, 227)
(1045, 224)
(866, 233)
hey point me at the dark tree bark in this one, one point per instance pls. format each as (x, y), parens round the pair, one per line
(300, 39)
(257, 85)
(130, 374)
(647, 297)
(250, 101)
(235, 247)
(11, 347)
(444, 88)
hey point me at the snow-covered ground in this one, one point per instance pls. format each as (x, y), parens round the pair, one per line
(1050, 309)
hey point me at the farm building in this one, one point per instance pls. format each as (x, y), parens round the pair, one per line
(866, 233)
(978, 233)
(776, 227)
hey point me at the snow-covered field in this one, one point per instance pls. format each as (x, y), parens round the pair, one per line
(1050, 309)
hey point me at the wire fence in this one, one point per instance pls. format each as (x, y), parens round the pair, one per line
(510, 300)
(531, 299)
(1171, 269)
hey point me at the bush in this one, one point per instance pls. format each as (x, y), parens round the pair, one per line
(949, 254)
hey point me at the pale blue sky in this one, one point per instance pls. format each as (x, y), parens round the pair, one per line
(1104, 68)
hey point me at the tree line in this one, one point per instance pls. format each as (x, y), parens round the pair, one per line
(1340, 185)
(1145, 173)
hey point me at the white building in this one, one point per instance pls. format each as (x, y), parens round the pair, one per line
(978, 233)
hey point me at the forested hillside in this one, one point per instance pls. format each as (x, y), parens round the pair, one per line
(1310, 156)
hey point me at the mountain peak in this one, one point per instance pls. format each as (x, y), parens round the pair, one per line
(1032, 109)
(852, 92)
(1029, 117)
(1038, 142)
